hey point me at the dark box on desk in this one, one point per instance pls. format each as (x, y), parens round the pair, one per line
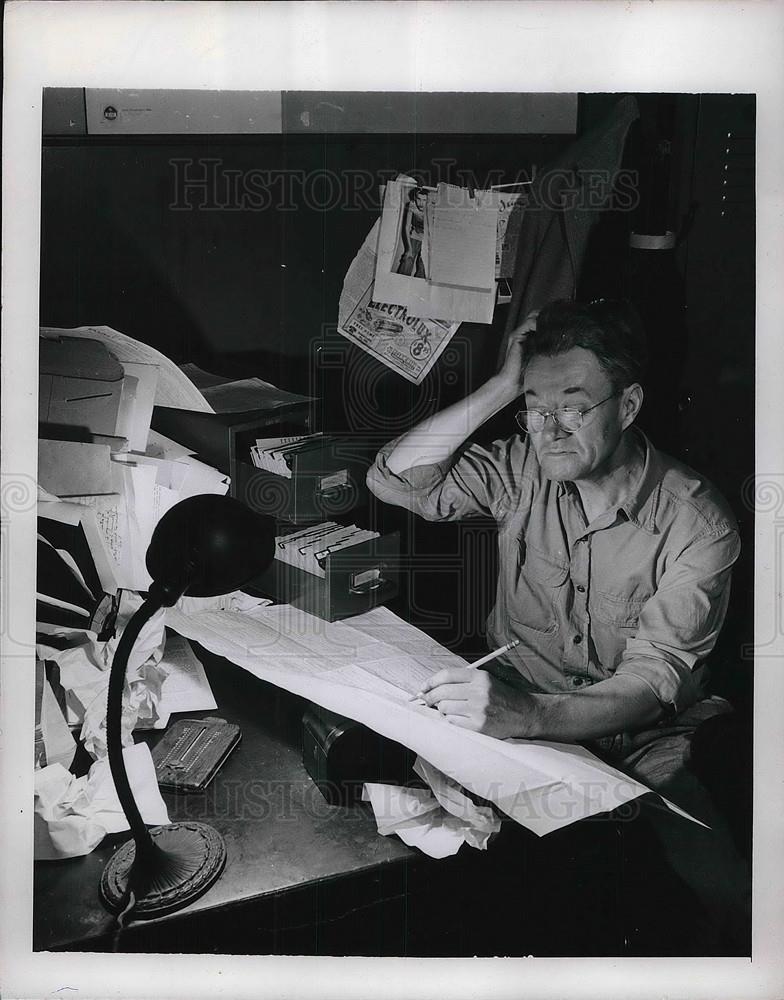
(355, 579)
(340, 755)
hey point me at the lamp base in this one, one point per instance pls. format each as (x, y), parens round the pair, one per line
(185, 860)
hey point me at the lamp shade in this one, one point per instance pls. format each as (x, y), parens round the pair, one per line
(208, 545)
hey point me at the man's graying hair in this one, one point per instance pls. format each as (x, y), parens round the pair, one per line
(612, 330)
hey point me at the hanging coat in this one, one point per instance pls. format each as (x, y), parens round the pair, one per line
(565, 204)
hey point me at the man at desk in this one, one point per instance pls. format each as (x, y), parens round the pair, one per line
(614, 571)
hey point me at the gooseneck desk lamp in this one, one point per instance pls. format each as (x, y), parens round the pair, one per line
(203, 546)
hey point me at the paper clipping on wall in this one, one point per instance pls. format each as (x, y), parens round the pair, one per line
(409, 345)
(436, 251)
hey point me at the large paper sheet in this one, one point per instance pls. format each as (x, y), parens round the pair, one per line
(407, 344)
(368, 667)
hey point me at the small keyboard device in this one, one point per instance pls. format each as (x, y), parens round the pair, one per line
(191, 752)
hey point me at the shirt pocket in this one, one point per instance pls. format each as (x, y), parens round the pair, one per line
(535, 605)
(620, 612)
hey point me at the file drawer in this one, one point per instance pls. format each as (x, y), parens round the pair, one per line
(355, 579)
(325, 483)
(222, 439)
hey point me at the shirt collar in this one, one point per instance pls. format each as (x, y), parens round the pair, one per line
(641, 505)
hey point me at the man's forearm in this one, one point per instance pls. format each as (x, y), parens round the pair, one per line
(613, 706)
(438, 437)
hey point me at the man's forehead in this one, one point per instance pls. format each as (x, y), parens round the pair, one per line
(575, 372)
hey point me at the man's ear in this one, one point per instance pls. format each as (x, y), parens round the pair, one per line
(633, 396)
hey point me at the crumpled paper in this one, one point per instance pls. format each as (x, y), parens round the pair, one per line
(85, 663)
(73, 815)
(438, 820)
(84, 675)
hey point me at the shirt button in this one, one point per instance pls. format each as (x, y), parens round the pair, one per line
(577, 681)
(580, 588)
(577, 639)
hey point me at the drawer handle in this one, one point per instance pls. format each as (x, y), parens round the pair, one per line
(331, 493)
(366, 581)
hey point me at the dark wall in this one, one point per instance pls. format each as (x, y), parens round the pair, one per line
(222, 246)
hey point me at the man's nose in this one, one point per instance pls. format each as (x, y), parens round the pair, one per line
(552, 430)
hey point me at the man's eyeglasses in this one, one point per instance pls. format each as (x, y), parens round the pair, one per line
(568, 418)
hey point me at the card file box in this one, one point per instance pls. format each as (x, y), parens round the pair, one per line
(356, 579)
(326, 483)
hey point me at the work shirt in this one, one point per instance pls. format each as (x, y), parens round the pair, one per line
(640, 590)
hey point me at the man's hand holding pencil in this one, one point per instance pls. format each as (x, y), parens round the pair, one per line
(475, 699)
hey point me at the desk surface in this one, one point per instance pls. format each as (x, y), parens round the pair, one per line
(280, 833)
(303, 877)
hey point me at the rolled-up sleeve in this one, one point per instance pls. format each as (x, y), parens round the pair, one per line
(679, 625)
(474, 484)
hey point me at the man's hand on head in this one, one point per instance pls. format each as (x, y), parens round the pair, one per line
(475, 699)
(511, 370)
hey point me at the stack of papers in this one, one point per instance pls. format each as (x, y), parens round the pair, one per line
(98, 389)
(275, 454)
(173, 388)
(309, 548)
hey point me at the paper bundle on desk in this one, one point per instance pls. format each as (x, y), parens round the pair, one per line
(275, 454)
(309, 548)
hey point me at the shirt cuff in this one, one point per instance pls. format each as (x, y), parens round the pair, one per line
(418, 479)
(669, 678)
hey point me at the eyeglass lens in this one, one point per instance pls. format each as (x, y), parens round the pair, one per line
(534, 420)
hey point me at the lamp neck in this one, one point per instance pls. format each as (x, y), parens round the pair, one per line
(166, 594)
(114, 727)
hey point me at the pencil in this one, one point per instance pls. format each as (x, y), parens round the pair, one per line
(495, 653)
(478, 663)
